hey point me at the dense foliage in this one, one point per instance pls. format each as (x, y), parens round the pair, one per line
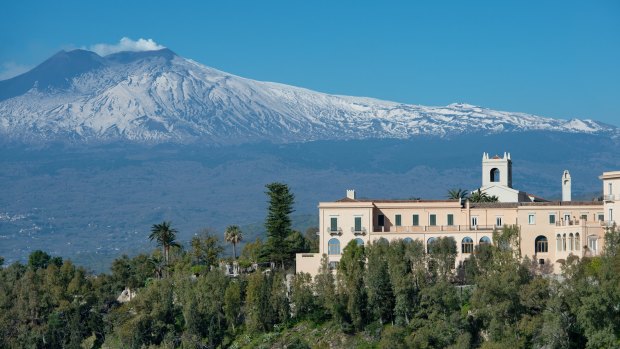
(384, 295)
(388, 295)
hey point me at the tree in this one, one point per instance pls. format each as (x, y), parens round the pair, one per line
(206, 248)
(457, 194)
(232, 304)
(1, 261)
(479, 196)
(312, 236)
(252, 252)
(303, 301)
(278, 222)
(40, 260)
(164, 236)
(380, 292)
(325, 287)
(443, 254)
(351, 283)
(233, 235)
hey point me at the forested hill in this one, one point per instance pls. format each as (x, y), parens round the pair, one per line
(383, 296)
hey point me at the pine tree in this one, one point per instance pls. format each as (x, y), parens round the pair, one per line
(278, 222)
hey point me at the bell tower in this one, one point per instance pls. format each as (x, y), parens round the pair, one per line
(566, 186)
(496, 170)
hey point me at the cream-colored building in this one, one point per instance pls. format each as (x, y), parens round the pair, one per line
(549, 231)
(611, 197)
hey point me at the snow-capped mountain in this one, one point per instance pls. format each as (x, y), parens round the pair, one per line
(158, 96)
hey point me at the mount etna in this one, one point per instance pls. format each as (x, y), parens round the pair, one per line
(96, 149)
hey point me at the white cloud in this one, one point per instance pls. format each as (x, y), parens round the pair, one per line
(126, 44)
(11, 69)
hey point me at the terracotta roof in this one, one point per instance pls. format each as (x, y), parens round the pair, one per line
(547, 203)
(345, 199)
(493, 204)
(536, 197)
(563, 203)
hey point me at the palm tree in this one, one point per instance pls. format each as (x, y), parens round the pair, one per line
(233, 235)
(158, 265)
(165, 236)
(479, 196)
(457, 194)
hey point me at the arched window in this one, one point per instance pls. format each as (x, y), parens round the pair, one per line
(577, 242)
(494, 175)
(570, 242)
(333, 246)
(382, 241)
(359, 241)
(564, 242)
(558, 241)
(467, 245)
(407, 240)
(541, 244)
(429, 243)
(485, 240)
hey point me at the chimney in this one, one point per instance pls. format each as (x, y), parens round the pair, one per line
(351, 194)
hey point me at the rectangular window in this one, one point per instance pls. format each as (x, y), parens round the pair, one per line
(398, 220)
(552, 219)
(433, 219)
(416, 220)
(611, 214)
(498, 221)
(584, 217)
(381, 220)
(333, 224)
(593, 243)
(601, 217)
(450, 219)
(531, 219)
(474, 221)
(358, 223)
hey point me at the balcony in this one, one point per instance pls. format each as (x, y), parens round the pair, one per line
(609, 197)
(332, 231)
(432, 228)
(361, 231)
(608, 224)
(563, 223)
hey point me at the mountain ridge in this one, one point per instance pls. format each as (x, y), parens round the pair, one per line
(158, 96)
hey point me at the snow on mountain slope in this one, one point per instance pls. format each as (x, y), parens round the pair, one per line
(158, 96)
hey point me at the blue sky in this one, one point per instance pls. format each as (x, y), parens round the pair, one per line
(551, 58)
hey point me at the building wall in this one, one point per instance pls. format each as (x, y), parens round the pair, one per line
(611, 197)
(468, 220)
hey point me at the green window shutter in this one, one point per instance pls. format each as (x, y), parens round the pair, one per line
(398, 220)
(551, 219)
(334, 224)
(358, 223)
(416, 220)
(450, 219)
(433, 219)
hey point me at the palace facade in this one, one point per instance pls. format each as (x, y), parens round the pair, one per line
(550, 231)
